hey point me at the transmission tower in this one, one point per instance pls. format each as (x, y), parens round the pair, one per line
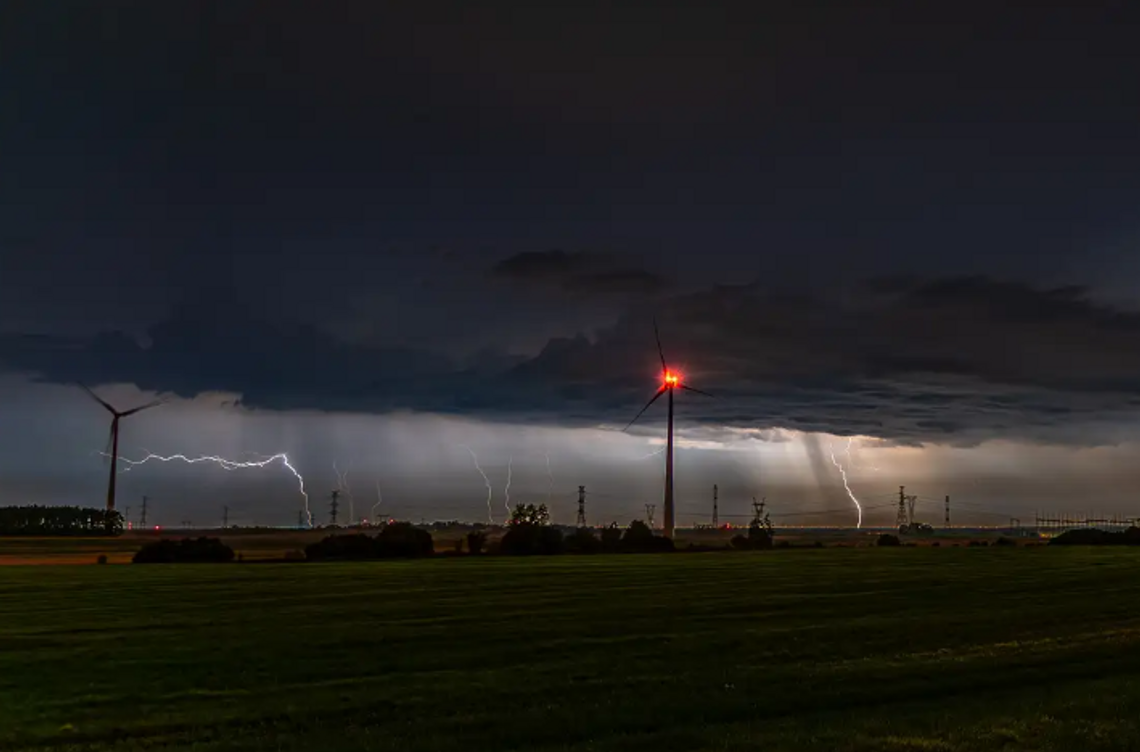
(947, 512)
(334, 505)
(901, 516)
(225, 516)
(650, 509)
(142, 517)
(127, 518)
(758, 510)
(300, 518)
(910, 501)
(716, 511)
(581, 506)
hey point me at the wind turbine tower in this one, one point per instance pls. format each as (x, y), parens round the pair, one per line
(671, 381)
(113, 440)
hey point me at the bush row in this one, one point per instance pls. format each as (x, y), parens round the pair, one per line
(59, 521)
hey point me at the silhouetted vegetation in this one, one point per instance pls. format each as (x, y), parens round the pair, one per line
(184, 551)
(355, 547)
(1003, 541)
(476, 541)
(639, 539)
(582, 541)
(59, 521)
(886, 539)
(760, 533)
(400, 540)
(530, 533)
(527, 540)
(611, 538)
(1094, 537)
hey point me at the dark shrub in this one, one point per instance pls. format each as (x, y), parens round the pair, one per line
(819, 544)
(185, 551)
(1003, 541)
(404, 540)
(760, 538)
(740, 543)
(476, 541)
(343, 548)
(582, 541)
(38, 520)
(611, 538)
(1094, 537)
(102, 559)
(979, 544)
(886, 539)
(640, 539)
(290, 556)
(525, 539)
(935, 544)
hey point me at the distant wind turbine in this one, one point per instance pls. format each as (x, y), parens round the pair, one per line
(671, 381)
(113, 439)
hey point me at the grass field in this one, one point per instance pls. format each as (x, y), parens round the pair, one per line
(832, 649)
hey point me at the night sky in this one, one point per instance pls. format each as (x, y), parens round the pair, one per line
(389, 238)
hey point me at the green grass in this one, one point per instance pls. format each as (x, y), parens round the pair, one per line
(855, 649)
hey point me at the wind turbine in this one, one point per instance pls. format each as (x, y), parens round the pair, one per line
(671, 382)
(113, 439)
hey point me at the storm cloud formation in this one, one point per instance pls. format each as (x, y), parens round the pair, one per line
(901, 222)
(579, 273)
(910, 360)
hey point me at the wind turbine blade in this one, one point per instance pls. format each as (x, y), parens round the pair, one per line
(139, 409)
(688, 388)
(660, 351)
(647, 404)
(99, 399)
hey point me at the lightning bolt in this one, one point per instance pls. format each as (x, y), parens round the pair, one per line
(507, 488)
(851, 460)
(486, 481)
(851, 495)
(379, 500)
(654, 453)
(226, 464)
(550, 488)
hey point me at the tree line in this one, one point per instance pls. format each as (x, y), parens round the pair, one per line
(59, 521)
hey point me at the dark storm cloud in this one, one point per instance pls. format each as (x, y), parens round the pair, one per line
(579, 273)
(908, 360)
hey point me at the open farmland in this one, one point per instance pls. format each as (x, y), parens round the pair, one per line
(831, 649)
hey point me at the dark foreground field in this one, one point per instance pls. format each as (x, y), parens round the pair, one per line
(858, 649)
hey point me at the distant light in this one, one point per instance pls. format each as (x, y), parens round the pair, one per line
(156, 527)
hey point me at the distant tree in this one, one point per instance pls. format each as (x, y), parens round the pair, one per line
(404, 540)
(1095, 537)
(611, 538)
(529, 514)
(356, 547)
(395, 541)
(527, 539)
(59, 521)
(476, 541)
(1003, 541)
(582, 541)
(184, 551)
(639, 538)
(886, 539)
